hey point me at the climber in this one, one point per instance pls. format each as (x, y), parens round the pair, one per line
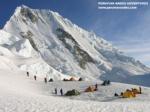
(45, 80)
(61, 92)
(28, 74)
(140, 90)
(96, 87)
(34, 77)
(56, 91)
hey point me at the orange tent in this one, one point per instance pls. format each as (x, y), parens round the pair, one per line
(72, 79)
(90, 89)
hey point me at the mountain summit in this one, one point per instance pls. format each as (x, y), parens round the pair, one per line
(64, 47)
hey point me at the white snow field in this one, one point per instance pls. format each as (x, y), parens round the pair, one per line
(19, 93)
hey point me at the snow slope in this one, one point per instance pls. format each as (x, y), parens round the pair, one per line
(66, 48)
(20, 93)
(16, 54)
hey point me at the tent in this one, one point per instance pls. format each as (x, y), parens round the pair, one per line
(90, 89)
(66, 80)
(137, 91)
(128, 94)
(51, 80)
(80, 79)
(72, 79)
(72, 93)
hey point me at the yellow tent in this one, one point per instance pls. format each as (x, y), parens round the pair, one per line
(128, 94)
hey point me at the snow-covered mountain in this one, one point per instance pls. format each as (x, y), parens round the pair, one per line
(45, 43)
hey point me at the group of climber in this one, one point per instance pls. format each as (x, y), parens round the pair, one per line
(61, 92)
(106, 83)
(89, 89)
(129, 93)
(34, 76)
(45, 79)
(51, 80)
(75, 92)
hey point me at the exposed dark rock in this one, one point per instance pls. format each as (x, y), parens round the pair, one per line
(80, 55)
(28, 14)
(28, 35)
(24, 21)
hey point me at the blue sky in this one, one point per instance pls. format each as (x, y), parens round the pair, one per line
(127, 29)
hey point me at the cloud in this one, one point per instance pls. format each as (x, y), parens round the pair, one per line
(140, 51)
(133, 46)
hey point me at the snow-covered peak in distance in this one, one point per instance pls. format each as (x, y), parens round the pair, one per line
(70, 49)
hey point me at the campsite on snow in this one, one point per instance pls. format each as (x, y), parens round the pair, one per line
(49, 64)
(101, 91)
